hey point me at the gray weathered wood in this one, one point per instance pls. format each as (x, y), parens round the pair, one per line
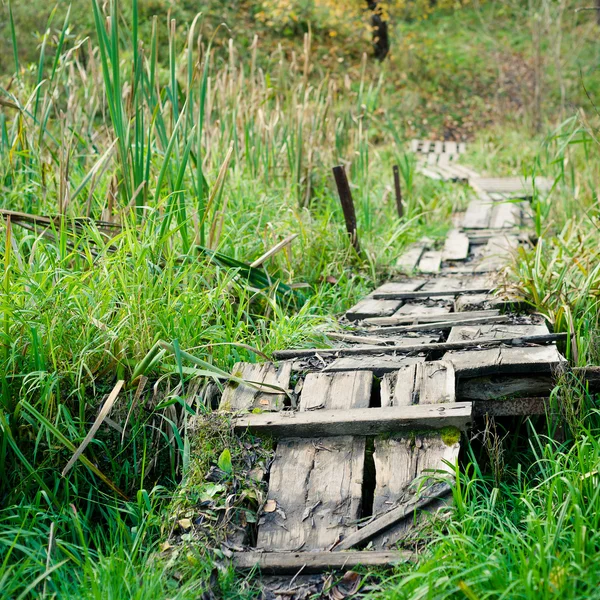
(517, 187)
(371, 307)
(474, 363)
(438, 314)
(380, 524)
(451, 147)
(427, 293)
(505, 215)
(456, 246)
(422, 383)
(336, 390)
(435, 347)
(408, 261)
(437, 325)
(512, 408)
(498, 252)
(379, 365)
(282, 563)
(478, 214)
(430, 262)
(245, 397)
(489, 332)
(472, 302)
(496, 387)
(354, 422)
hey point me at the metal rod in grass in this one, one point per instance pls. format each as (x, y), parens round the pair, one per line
(347, 203)
(398, 191)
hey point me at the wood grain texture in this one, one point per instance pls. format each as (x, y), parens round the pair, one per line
(357, 421)
(290, 563)
(498, 387)
(245, 397)
(408, 261)
(456, 246)
(430, 262)
(336, 390)
(437, 315)
(494, 332)
(379, 365)
(370, 307)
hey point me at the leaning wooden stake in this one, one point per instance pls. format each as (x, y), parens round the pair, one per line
(398, 190)
(347, 203)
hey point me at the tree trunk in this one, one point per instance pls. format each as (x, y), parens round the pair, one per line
(381, 41)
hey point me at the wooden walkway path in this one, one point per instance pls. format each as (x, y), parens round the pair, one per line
(369, 437)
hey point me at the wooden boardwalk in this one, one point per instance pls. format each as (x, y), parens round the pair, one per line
(368, 440)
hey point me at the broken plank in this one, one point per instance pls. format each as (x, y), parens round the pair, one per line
(336, 390)
(422, 383)
(478, 214)
(393, 517)
(415, 310)
(355, 422)
(456, 246)
(489, 332)
(512, 408)
(440, 314)
(435, 347)
(430, 293)
(538, 359)
(438, 325)
(281, 563)
(239, 396)
(430, 263)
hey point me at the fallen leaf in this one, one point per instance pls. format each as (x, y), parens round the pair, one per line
(185, 523)
(270, 506)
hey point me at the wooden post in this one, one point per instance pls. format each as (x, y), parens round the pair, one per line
(347, 203)
(399, 191)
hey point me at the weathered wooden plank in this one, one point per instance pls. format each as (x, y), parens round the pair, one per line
(462, 147)
(451, 147)
(415, 311)
(414, 145)
(425, 383)
(438, 147)
(498, 252)
(430, 293)
(435, 326)
(371, 307)
(432, 158)
(497, 387)
(379, 365)
(380, 524)
(353, 422)
(456, 246)
(336, 390)
(478, 214)
(512, 408)
(439, 314)
(518, 187)
(408, 261)
(489, 332)
(246, 397)
(282, 563)
(472, 302)
(425, 147)
(474, 363)
(505, 215)
(401, 464)
(430, 262)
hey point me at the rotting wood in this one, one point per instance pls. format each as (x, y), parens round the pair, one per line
(488, 332)
(436, 325)
(407, 262)
(370, 307)
(435, 347)
(429, 293)
(355, 422)
(440, 314)
(245, 397)
(380, 524)
(282, 563)
(379, 365)
(533, 359)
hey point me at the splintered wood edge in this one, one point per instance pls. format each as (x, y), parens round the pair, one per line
(316, 562)
(358, 421)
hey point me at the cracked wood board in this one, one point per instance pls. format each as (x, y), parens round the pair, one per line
(430, 262)
(494, 332)
(441, 314)
(402, 464)
(315, 485)
(378, 364)
(408, 261)
(498, 387)
(430, 382)
(489, 361)
(244, 397)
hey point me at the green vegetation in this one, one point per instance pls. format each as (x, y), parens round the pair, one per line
(199, 154)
